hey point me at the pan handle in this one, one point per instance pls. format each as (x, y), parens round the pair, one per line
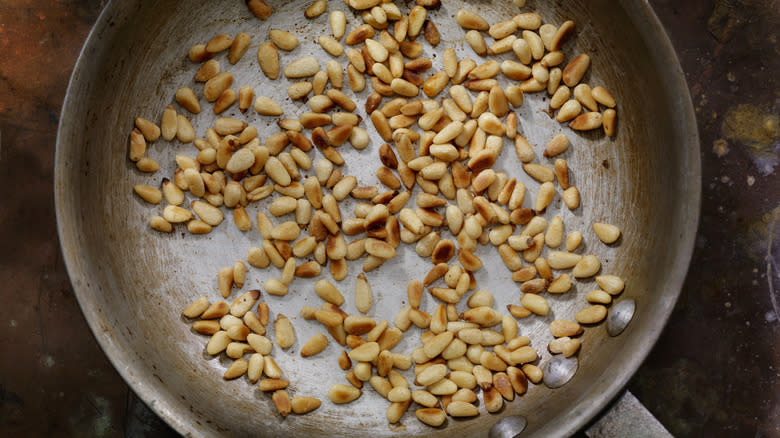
(625, 417)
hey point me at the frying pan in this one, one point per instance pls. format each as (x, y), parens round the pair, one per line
(132, 282)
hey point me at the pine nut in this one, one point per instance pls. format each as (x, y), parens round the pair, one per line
(560, 97)
(544, 197)
(340, 393)
(535, 303)
(477, 42)
(259, 8)
(587, 267)
(435, 84)
(416, 20)
(470, 20)
(175, 215)
(612, 284)
(285, 335)
(275, 286)
(219, 43)
(218, 343)
(576, 69)
(328, 292)
(557, 145)
(265, 106)
(148, 194)
(607, 233)
(216, 310)
(314, 345)
(571, 197)
(302, 404)
(584, 95)
(238, 47)
(462, 409)
(150, 131)
(569, 110)
(587, 121)
(236, 369)
(187, 99)
(270, 368)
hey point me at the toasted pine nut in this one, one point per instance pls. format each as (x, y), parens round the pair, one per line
(562, 173)
(285, 335)
(477, 42)
(607, 233)
(470, 20)
(569, 110)
(238, 47)
(187, 99)
(602, 96)
(584, 95)
(303, 404)
(462, 409)
(576, 69)
(588, 266)
(536, 304)
(544, 197)
(554, 235)
(243, 303)
(340, 393)
(259, 8)
(198, 53)
(314, 345)
(416, 20)
(197, 308)
(302, 67)
(219, 43)
(299, 90)
(363, 298)
(560, 97)
(591, 315)
(539, 172)
(557, 145)
(609, 120)
(404, 87)
(236, 369)
(523, 52)
(275, 286)
(266, 106)
(218, 343)
(148, 194)
(433, 85)
(215, 86)
(325, 290)
(571, 197)
(612, 284)
(216, 310)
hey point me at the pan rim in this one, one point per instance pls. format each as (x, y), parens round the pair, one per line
(143, 385)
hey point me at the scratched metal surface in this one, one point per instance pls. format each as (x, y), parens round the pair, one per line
(728, 62)
(132, 282)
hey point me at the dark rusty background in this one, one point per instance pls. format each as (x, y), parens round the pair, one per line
(714, 371)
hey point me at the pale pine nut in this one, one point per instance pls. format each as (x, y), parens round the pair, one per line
(587, 267)
(238, 47)
(612, 284)
(607, 233)
(470, 20)
(535, 303)
(591, 315)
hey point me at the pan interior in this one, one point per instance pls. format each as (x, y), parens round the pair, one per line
(132, 282)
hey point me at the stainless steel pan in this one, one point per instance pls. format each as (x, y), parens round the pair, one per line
(132, 283)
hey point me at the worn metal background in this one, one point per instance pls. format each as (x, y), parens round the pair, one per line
(713, 372)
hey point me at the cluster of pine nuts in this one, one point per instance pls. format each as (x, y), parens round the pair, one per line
(451, 160)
